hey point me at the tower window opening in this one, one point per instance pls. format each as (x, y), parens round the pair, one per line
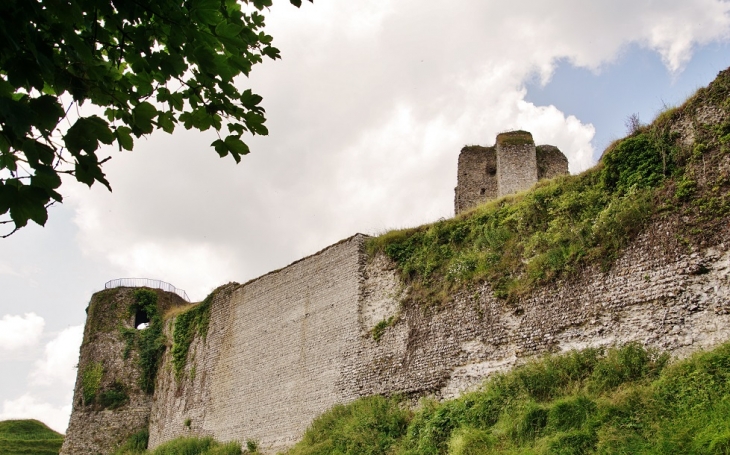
(141, 320)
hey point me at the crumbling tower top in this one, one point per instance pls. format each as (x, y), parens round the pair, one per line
(512, 165)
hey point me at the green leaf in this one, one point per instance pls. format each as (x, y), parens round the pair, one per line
(236, 146)
(228, 29)
(166, 121)
(124, 138)
(36, 152)
(47, 110)
(45, 177)
(26, 203)
(142, 116)
(101, 129)
(81, 136)
(88, 171)
(6, 88)
(8, 161)
(208, 16)
(220, 147)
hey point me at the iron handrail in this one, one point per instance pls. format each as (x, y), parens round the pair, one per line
(146, 282)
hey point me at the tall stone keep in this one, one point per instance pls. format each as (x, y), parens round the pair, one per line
(109, 404)
(512, 165)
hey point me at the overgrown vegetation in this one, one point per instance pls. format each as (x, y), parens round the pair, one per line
(182, 446)
(90, 381)
(625, 400)
(114, 397)
(187, 325)
(563, 225)
(371, 425)
(135, 444)
(150, 342)
(26, 437)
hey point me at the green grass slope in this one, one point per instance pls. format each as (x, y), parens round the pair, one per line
(659, 173)
(621, 401)
(20, 437)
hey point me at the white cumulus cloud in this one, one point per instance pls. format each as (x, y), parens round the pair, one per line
(367, 112)
(61, 354)
(20, 331)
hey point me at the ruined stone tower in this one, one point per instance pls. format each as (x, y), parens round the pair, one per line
(512, 165)
(112, 400)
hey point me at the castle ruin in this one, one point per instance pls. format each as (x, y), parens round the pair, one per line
(279, 350)
(512, 165)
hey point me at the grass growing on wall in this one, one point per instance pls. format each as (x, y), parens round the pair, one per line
(187, 325)
(520, 242)
(626, 400)
(91, 380)
(28, 437)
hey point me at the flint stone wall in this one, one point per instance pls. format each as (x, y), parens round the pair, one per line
(284, 348)
(290, 345)
(657, 294)
(272, 358)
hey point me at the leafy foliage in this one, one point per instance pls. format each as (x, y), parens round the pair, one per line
(28, 437)
(568, 404)
(187, 325)
(150, 65)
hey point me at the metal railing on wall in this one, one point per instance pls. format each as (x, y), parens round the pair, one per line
(145, 283)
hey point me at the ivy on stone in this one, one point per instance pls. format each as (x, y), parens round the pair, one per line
(148, 64)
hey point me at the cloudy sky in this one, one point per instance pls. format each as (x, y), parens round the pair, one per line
(367, 112)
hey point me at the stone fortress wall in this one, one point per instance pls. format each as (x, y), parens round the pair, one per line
(512, 165)
(283, 348)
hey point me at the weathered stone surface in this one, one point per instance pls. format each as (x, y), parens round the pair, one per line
(516, 162)
(476, 177)
(551, 162)
(485, 173)
(272, 357)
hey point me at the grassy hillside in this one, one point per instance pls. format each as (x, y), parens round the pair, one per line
(28, 437)
(622, 401)
(673, 169)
